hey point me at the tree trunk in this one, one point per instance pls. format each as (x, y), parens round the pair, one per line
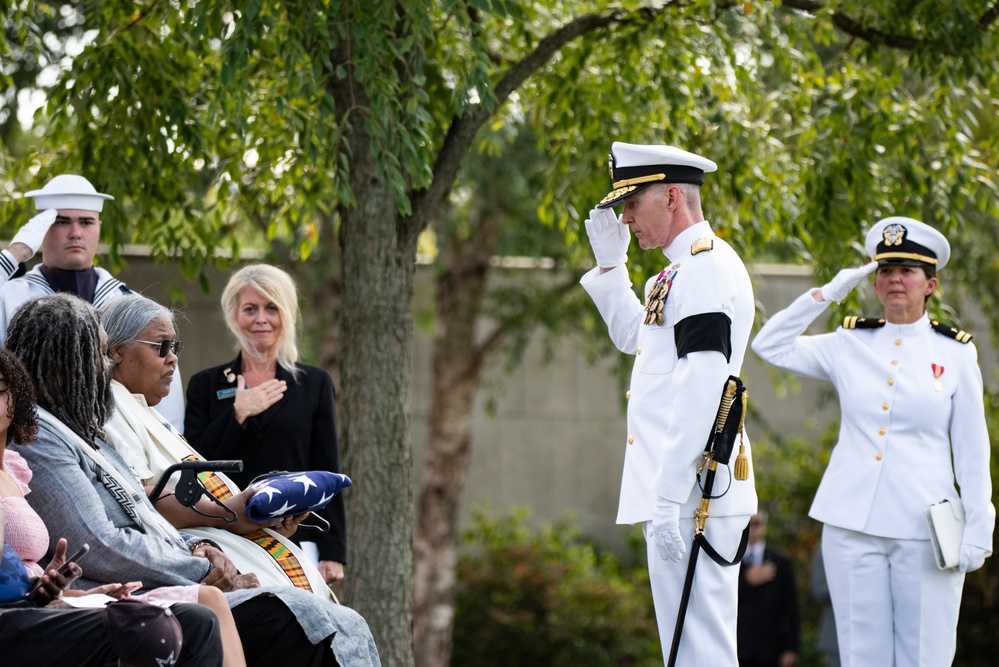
(457, 369)
(377, 337)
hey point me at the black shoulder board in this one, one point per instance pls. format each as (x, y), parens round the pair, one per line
(854, 322)
(700, 245)
(951, 332)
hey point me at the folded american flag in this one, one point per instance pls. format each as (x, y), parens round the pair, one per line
(289, 494)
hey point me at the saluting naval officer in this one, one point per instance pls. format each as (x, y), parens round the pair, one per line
(67, 228)
(688, 337)
(912, 424)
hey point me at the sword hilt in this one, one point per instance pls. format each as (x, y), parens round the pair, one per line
(725, 405)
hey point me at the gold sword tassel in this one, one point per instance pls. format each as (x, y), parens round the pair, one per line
(741, 471)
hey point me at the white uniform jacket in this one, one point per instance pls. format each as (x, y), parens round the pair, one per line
(673, 401)
(15, 293)
(910, 399)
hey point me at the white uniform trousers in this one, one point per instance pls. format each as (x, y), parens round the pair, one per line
(708, 638)
(893, 606)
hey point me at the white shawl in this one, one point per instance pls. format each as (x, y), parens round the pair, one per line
(150, 444)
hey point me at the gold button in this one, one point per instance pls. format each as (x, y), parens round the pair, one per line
(898, 341)
(627, 394)
(895, 363)
(639, 351)
(881, 431)
(884, 406)
(878, 457)
(890, 382)
(630, 440)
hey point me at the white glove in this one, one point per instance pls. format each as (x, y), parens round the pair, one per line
(33, 232)
(609, 238)
(666, 530)
(844, 282)
(972, 558)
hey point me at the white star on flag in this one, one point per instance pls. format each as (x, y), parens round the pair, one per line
(283, 509)
(306, 482)
(270, 491)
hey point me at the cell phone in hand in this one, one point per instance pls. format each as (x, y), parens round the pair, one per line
(63, 570)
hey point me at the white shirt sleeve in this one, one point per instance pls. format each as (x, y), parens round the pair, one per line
(971, 449)
(780, 342)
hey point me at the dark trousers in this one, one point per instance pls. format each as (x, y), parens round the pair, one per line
(61, 635)
(271, 635)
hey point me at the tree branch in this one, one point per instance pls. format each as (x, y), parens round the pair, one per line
(463, 129)
(138, 17)
(988, 17)
(852, 27)
(503, 329)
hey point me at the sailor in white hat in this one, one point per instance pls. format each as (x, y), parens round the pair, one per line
(913, 432)
(689, 336)
(68, 192)
(67, 229)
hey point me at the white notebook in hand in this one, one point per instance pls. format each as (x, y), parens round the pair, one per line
(946, 523)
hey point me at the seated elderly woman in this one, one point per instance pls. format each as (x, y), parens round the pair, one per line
(142, 344)
(86, 492)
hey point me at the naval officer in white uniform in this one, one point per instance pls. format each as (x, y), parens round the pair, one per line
(910, 393)
(67, 229)
(688, 338)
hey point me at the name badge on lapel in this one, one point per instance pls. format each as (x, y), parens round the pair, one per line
(223, 394)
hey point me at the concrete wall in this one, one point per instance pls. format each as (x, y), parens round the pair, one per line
(555, 440)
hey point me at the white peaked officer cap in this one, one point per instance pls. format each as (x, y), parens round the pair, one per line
(634, 167)
(69, 191)
(899, 240)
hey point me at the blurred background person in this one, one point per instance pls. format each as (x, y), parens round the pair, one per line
(265, 408)
(769, 632)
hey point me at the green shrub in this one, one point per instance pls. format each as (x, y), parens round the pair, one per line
(547, 597)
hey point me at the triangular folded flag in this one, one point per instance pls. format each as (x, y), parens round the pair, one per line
(290, 494)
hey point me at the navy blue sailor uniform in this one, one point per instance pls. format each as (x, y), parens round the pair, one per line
(685, 351)
(911, 404)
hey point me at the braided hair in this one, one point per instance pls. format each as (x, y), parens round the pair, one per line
(20, 400)
(57, 338)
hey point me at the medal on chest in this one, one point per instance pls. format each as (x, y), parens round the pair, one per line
(656, 300)
(937, 372)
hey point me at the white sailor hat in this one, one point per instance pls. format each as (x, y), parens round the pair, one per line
(899, 240)
(634, 167)
(69, 191)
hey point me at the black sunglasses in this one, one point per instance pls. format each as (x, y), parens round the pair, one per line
(166, 346)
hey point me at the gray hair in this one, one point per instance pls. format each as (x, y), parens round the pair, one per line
(691, 193)
(57, 338)
(124, 318)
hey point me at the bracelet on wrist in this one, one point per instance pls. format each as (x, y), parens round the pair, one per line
(202, 543)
